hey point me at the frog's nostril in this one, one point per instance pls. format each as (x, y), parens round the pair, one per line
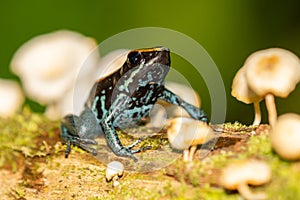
(165, 49)
(161, 48)
(165, 57)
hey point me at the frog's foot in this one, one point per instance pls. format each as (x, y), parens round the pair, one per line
(82, 143)
(138, 150)
(203, 118)
(128, 151)
(73, 129)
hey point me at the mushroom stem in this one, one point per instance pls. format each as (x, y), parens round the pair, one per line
(245, 191)
(115, 181)
(271, 107)
(257, 112)
(192, 152)
(185, 155)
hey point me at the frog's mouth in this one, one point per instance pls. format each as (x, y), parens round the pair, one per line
(156, 68)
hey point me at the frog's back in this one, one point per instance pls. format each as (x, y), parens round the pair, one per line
(99, 99)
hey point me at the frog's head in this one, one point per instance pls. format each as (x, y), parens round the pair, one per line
(148, 65)
(149, 56)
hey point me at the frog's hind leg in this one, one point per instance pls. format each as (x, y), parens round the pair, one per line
(70, 127)
(193, 111)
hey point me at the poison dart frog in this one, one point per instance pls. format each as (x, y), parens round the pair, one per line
(122, 99)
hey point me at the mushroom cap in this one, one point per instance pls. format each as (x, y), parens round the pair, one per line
(113, 169)
(249, 171)
(186, 132)
(273, 70)
(48, 65)
(11, 97)
(285, 136)
(111, 62)
(240, 89)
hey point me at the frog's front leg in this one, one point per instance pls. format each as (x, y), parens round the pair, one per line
(115, 145)
(193, 111)
(72, 133)
(113, 140)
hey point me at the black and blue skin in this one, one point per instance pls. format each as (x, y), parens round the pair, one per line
(121, 100)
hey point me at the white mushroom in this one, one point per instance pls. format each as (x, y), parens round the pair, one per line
(112, 61)
(285, 136)
(114, 170)
(49, 66)
(242, 92)
(187, 133)
(272, 72)
(11, 98)
(239, 174)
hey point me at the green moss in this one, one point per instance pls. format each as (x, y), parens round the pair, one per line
(285, 175)
(149, 138)
(200, 172)
(155, 141)
(18, 193)
(19, 136)
(284, 184)
(285, 180)
(237, 127)
(259, 145)
(217, 194)
(28, 135)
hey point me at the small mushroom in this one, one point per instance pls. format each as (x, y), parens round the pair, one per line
(114, 171)
(242, 92)
(11, 98)
(285, 136)
(49, 65)
(186, 133)
(239, 174)
(272, 72)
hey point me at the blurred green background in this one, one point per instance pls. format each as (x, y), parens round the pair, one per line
(229, 31)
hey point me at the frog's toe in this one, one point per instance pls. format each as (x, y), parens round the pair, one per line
(136, 142)
(204, 119)
(82, 143)
(68, 149)
(133, 151)
(87, 141)
(134, 158)
(133, 144)
(125, 152)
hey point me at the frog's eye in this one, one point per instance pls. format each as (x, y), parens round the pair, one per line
(135, 58)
